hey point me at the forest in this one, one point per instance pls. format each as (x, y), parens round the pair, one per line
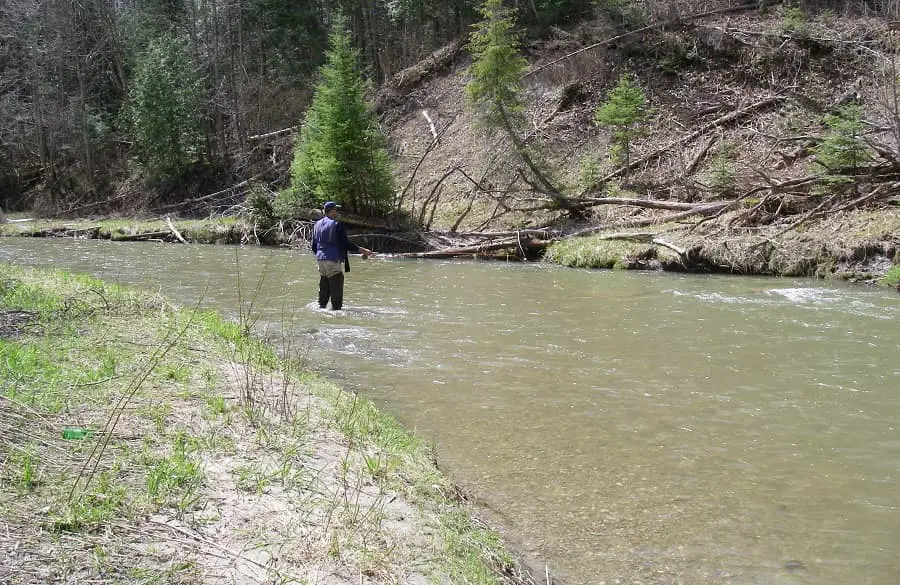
(782, 112)
(116, 105)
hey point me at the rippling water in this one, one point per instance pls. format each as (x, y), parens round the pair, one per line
(621, 427)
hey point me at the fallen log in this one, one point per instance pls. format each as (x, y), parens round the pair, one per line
(646, 203)
(476, 250)
(140, 237)
(647, 237)
(175, 231)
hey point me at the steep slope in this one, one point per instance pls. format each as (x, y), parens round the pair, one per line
(738, 102)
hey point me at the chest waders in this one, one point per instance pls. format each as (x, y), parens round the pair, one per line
(331, 287)
(331, 280)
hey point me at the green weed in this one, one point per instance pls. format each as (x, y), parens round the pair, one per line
(20, 468)
(251, 478)
(93, 508)
(216, 405)
(174, 480)
(892, 278)
(476, 554)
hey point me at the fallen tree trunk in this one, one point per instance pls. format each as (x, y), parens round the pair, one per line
(142, 237)
(646, 203)
(464, 251)
(175, 231)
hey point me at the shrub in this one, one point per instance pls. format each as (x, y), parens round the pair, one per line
(892, 278)
(722, 179)
(624, 111)
(794, 21)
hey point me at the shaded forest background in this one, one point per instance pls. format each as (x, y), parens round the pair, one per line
(89, 122)
(83, 122)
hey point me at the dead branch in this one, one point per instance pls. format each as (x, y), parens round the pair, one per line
(175, 231)
(726, 119)
(663, 24)
(464, 251)
(546, 186)
(434, 133)
(271, 134)
(230, 190)
(648, 237)
(691, 168)
(428, 150)
(543, 233)
(645, 203)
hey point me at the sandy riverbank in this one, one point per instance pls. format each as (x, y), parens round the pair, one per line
(204, 456)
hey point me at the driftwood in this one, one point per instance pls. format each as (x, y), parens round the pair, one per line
(175, 231)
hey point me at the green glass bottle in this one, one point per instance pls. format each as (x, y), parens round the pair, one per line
(76, 433)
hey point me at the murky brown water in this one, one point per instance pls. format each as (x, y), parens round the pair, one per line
(623, 427)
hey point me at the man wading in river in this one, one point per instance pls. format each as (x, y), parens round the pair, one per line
(331, 246)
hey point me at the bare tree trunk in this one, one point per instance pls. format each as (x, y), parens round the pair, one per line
(85, 129)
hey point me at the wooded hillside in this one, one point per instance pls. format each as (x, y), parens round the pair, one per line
(141, 105)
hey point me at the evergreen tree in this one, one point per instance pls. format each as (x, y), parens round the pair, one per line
(497, 67)
(341, 153)
(842, 149)
(623, 111)
(496, 87)
(165, 111)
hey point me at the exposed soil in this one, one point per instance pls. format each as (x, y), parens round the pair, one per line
(694, 72)
(13, 323)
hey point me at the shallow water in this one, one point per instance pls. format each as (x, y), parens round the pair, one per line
(621, 427)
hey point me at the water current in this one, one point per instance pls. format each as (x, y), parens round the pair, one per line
(619, 427)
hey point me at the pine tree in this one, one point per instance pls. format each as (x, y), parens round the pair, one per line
(341, 154)
(842, 149)
(497, 67)
(623, 111)
(165, 111)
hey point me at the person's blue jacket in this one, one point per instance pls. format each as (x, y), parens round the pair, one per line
(330, 242)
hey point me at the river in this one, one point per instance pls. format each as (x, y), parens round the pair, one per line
(621, 427)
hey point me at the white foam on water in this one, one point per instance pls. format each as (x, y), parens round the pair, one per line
(356, 311)
(807, 295)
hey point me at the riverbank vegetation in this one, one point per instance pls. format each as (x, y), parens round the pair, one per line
(143, 442)
(687, 128)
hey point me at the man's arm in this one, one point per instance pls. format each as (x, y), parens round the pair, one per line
(350, 246)
(313, 242)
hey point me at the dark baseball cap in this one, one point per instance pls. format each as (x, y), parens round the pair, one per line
(329, 205)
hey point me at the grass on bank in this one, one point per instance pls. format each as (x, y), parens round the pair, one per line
(222, 230)
(201, 454)
(892, 278)
(595, 252)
